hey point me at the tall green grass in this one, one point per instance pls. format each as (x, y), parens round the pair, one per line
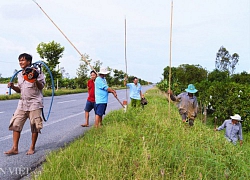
(149, 144)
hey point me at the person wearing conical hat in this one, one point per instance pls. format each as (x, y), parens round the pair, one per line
(233, 129)
(188, 105)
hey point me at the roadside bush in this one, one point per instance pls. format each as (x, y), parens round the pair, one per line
(46, 93)
(221, 98)
(226, 99)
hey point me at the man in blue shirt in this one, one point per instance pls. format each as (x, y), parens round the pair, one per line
(135, 92)
(101, 95)
(233, 129)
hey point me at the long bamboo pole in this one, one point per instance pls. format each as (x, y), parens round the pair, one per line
(82, 56)
(125, 103)
(170, 57)
(126, 57)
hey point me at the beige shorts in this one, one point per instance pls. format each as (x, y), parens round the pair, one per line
(19, 118)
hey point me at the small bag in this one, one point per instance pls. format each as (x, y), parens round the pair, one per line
(144, 101)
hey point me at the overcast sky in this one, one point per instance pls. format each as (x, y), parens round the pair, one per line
(96, 27)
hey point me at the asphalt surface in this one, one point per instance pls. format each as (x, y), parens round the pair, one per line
(62, 127)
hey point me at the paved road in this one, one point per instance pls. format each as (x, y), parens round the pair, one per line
(62, 127)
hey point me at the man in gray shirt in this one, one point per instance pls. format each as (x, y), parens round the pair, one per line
(187, 103)
(233, 129)
(29, 106)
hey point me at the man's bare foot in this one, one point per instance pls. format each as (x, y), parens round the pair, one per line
(85, 125)
(30, 152)
(11, 152)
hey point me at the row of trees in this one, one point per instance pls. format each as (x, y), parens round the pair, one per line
(51, 53)
(221, 92)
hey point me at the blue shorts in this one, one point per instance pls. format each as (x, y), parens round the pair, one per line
(89, 106)
(100, 109)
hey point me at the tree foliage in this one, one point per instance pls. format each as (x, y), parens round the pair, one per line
(97, 65)
(82, 73)
(223, 95)
(51, 53)
(228, 98)
(225, 61)
(217, 75)
(182, 76)
(242, 78)
(109, 77)
(119, 76)
(191, 74)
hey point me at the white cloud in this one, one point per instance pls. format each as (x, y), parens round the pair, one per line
(97, 28)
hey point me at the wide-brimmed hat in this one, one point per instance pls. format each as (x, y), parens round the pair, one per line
(104, 71)
(236, 117)
(191, 89)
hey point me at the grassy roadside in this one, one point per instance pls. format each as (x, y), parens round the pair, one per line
(149, 144)
(46, 93)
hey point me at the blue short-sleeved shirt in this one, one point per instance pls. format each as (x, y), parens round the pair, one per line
(101, 90)
(135, 90)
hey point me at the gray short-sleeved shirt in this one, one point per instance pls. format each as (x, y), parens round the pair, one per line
(233, 131)
(31, 97)
(187, 104)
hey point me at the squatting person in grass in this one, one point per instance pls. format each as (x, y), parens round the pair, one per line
(90, 104)
(101, 96)
(188, 105)
(233, 129)
(30, 104)
(135, 92)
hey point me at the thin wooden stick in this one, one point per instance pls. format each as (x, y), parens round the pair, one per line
(119, 101)
(215, 122)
